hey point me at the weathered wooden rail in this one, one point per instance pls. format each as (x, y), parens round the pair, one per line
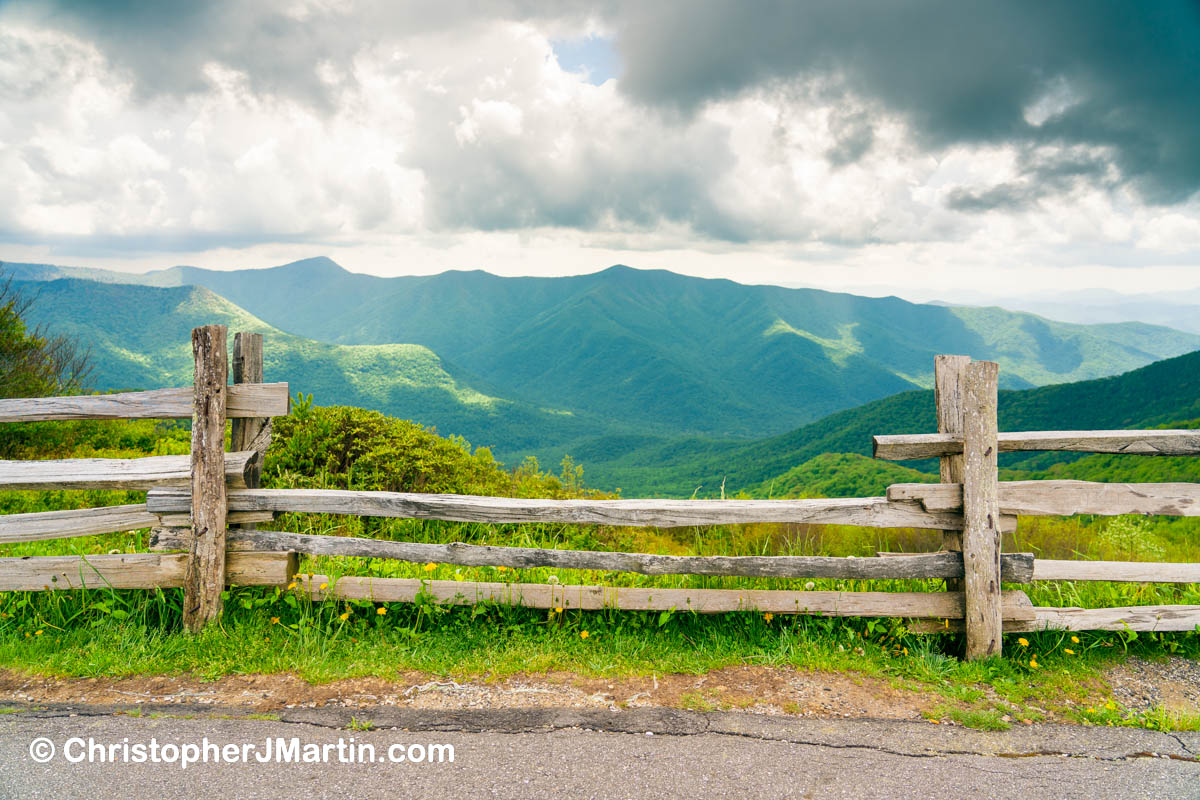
(876, 512)
(1015, 567)
(191, 500)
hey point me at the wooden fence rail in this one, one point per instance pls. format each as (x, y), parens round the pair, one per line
(1015, 567)
(920, 605)
(1062, 498)
(41, 525)
(132, 474)
(134, 571)
(249, 400)
(907, 447)
(876, 512)
(192, 499)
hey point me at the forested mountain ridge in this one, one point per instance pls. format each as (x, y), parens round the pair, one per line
(663, 353)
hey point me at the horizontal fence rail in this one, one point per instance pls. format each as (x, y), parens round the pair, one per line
(913, 446)
(949, 605)
(41, 525)
(133, 474)
(1014, 567)
(135, 571)
(1162, 619)
(1117, 571)
(876, 512)
(1063, 498)
(244, 400)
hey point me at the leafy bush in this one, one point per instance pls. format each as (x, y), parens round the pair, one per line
(341, 447)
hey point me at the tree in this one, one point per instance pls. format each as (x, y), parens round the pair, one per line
(33, 362)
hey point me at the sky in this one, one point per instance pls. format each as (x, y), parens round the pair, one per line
(926, 149)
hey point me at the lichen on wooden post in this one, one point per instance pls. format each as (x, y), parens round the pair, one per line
(204, 578)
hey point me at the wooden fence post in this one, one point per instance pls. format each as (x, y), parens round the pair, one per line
(981, 511)
(948, 397)
(204, 579)
(248, 368)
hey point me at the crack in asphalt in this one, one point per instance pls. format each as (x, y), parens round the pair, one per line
(583, 722)
(1182, 744)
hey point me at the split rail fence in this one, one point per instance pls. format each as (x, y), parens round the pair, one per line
(192, 500)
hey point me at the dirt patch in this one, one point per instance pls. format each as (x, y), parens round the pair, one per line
(767, 690)
(1141, 685)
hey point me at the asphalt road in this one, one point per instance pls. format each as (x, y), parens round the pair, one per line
(561, 753)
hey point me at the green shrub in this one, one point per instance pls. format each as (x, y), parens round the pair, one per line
(340, 447)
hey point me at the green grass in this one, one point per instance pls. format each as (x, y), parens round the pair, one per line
(271, 631)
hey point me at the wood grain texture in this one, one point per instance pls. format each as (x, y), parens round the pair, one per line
(702, 601)
(1138, 618)
(981, 511)
(134, 571)
(1063, 498)
(261, 400)
(1120, 571)
(76, 522)
(1018, 566)
(204, 577)
(948, 401)
(902, 447)
(1135, 618)
(870, 512)
(132, 474)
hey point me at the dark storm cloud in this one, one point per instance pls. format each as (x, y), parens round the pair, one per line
(1005, 197)
(960, 72)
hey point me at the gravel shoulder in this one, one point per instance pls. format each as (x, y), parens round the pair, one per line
(1135, 684)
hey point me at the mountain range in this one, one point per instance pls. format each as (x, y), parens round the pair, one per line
(629, 371)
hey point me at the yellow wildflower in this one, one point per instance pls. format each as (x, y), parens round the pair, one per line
(345, 616)
(381, 610)
(558, 610)
(324, 586)
(1023, 642)
(1075, 639)
(501, 569)
(583, 634)
(38, 633)
(1033, 664)
(767, 617)
(291, 586)
(1068, 651)
(1110, 705)
(430, 567)
(274, 620)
